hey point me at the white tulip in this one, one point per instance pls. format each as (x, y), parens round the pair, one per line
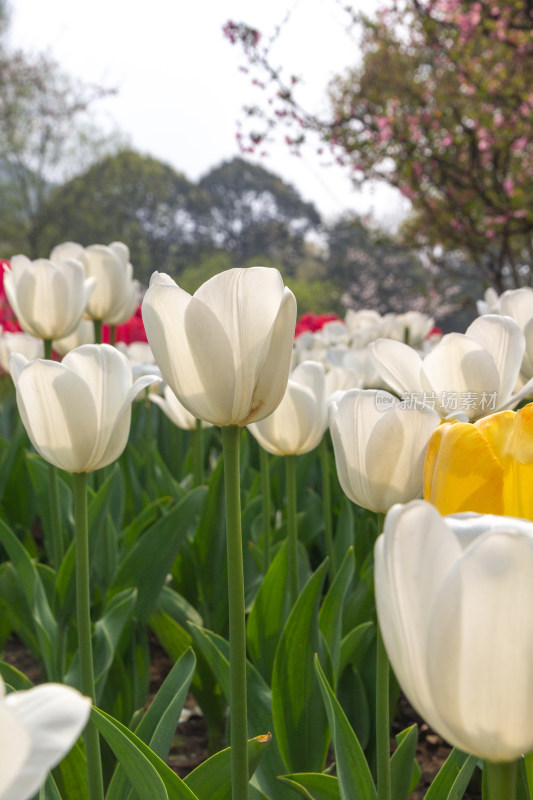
(23, 343)
(300, 421)
(48, 298)
(454, 598)
(113, 281)
(77, 413)
(473, 373)
(37, 729)
(224, 351)
(380, 446)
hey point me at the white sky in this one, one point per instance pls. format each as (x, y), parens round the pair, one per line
(180, 91)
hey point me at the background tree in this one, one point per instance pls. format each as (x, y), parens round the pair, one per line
(131, 197)
(46, 134)
(238, 213)
(440, 108)
(251, 212)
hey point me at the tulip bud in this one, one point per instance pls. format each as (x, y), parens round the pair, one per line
(379, 446)
(299, 422)
(77, 413)
(224, 351)
(48, 297)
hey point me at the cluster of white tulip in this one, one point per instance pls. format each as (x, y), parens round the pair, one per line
(445, 587)
(345, 343)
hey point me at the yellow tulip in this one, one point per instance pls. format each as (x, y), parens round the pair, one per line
(486, 467)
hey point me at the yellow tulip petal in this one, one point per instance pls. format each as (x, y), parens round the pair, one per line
(497, 430)
(461, 471)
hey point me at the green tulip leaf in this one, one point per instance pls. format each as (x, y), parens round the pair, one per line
(106, 636)
(403, 765)
(44, 623)
(50, 791)
(300, 722)
(355, 779)
(150, 776)
(215, 650)
(212, 779)
(158, 726)
(344, 529)
(10, 452)
(175, 640)
(330, 617)
(268, 615)
(13, 678)
(453, 777)
(71, 774)
(354, 645)
(148, 562)
(313, 785)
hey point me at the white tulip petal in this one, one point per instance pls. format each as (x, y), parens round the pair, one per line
(288, 430)
(412, 557)
(503, 339)
(395, 453)
(17, 362)
(48, 299)
(247, 301)
(272, 369)
(108, 374)
(342, 379)
(121, 250)
(174, 410)
(458, 364)
(351, 421)
(103, 263)
(23, 343)
(54, 716)
(15, 747)
(518, 304)
(164, 308)
(525, 391)
(58, 412)
(62, 252)
(213, 358)
(480, 647)
(397, 364)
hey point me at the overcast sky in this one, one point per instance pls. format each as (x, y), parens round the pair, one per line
(180, 90)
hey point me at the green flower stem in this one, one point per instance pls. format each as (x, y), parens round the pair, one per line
(264, 462)
(326, 505)
(48, 349)
(56, 533)
(528, 763)
(83, 601)
(97, 331)
(499, 780)
(198, 453)
(382, 710)
(113, 335)
(292, 528)
(57, 545)
(237, 628)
